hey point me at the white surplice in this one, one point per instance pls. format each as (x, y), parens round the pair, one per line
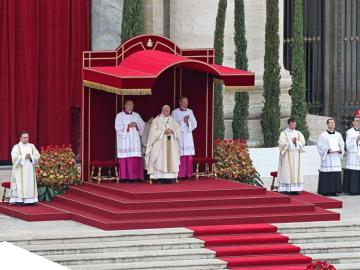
(128, 138)
(23, 179)
(162, 151)
(187, 141)
(330, 162)
(353, 149)
(289, 171)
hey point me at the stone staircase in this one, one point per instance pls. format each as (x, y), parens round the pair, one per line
(177, 249)
(139, 249)
(337, 243)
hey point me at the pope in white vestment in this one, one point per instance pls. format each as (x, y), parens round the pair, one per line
(163, 148)
(187, 122)
(129, 127)
(331, 150)
(352, 172)
(25, 156)
(291, 145)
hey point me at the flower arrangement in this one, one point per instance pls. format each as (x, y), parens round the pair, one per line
(233, 162)
(56, 170)
(320, 265)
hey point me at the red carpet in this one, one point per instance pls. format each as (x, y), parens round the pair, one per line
(257, 246)
(112, 206)
(318, 200)
(34, 213)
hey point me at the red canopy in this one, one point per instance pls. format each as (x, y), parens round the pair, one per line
(153, 66)
(137, 73)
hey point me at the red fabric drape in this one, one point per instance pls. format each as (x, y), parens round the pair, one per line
(41, 44)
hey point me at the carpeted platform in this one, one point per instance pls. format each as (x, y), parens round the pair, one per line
(112, 206)
(39, 212)
(318, 200)
(252, 246)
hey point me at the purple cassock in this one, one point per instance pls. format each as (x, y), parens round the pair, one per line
(187, 148)
(129, 153)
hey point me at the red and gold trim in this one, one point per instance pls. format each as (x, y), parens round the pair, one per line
(115, 90)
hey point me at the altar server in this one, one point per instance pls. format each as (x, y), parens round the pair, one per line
(187, 122)
(163, 148)
(291, 145)
(331, 151)
(25, 156)
(129, 127)
(352, 172)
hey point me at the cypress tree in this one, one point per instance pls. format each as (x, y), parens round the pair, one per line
(133, 19)
(298, 105)
(219, 126)
(241, 108)
(270, 116)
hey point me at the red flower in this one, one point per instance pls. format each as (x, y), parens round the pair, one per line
(320, 265)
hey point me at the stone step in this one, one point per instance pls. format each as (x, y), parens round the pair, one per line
(101, 236)
(114, 246)
(336, 242)
(331, 226)
(203, 264)
(347, 266)
(338, 258)
(323, 237)
(329, 247)
(128, 257)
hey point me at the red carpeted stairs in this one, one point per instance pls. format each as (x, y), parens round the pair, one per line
(112, 206)
(252, 246)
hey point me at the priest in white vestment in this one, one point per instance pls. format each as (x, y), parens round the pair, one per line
(351, 183)
(163, 148)
(187, 122)
(25, 156)
(331, 150)
(291, 145)
(129, 127)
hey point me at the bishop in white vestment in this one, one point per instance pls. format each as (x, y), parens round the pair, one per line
(129, 127)
(331, 151)
(187, 122)
(351, 183)
(23, 189)
(163, 148)
(291, 145)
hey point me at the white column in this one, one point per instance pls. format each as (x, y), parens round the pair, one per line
(154, 17)
(106, 19)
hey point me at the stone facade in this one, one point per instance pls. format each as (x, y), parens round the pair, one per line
(192, 26)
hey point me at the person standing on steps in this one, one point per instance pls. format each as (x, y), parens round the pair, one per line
(291, 145)
(331, 150)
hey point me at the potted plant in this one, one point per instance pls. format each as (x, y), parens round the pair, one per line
(320, 265)
(56, 170)
(234, 162)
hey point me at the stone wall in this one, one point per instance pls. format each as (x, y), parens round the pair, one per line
(192, 26)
